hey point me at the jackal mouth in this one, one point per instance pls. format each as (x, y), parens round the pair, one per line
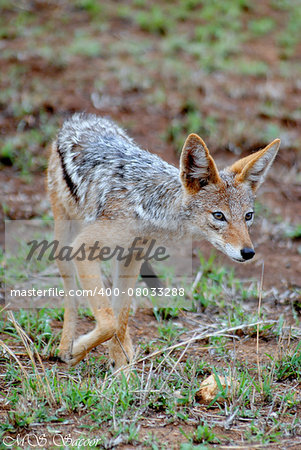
(239, 260)
(223, 250)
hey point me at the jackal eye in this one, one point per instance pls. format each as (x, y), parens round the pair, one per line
(219, 216)
(249, 216)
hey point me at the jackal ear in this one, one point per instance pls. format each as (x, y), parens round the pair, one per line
(197, 167)
(254, 168)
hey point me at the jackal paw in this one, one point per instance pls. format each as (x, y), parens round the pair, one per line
(70, 358)
(65, 352)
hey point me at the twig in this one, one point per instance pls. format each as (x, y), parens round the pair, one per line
(174, 366)
(26, 341)
(122, 348)
(193, 339)
(8, 350)
(257, 335)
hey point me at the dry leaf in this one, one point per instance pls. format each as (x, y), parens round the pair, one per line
(209, 388)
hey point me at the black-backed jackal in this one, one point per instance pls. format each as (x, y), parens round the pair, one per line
(98, 177)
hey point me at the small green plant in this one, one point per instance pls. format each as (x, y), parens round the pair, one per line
(129, 433)
(37, 325)
(204, 433)
(295, 232)
(85, 45)
(216, 284)
(153, 21)
(93, 7)
(165, 313)
(262, 26)
(26, 150)
(289, 366)
(247, 67)
(168, 331)
(262, 434)
(288, 39)
(7, 154)
(270, 131)
(191, 120)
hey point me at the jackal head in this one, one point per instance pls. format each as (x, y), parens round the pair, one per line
(220, 205)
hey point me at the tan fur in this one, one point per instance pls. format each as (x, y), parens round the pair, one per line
(244, 165)
(238, 235)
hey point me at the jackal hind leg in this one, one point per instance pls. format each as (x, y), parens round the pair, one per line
(64, 230)
(120, 346)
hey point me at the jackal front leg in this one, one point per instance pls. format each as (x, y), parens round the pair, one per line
(125, 277)
(90, 278)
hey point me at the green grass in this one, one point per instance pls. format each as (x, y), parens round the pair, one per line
(85, 45)
(217, 30)
(92, 7)
(213, 43)
(19, 250)
(262, 26)
(250, 67)
(164, 384)
(289, 366)
(23, 151)
(191, 120)
(203, 434)
(26, 149)
(37, 325)
(218, 287)
(288, 39)
(154, 21)
(295, 232)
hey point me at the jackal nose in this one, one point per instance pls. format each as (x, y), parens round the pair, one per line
(247, 253)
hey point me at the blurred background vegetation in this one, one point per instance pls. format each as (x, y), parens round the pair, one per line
(226, 70)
